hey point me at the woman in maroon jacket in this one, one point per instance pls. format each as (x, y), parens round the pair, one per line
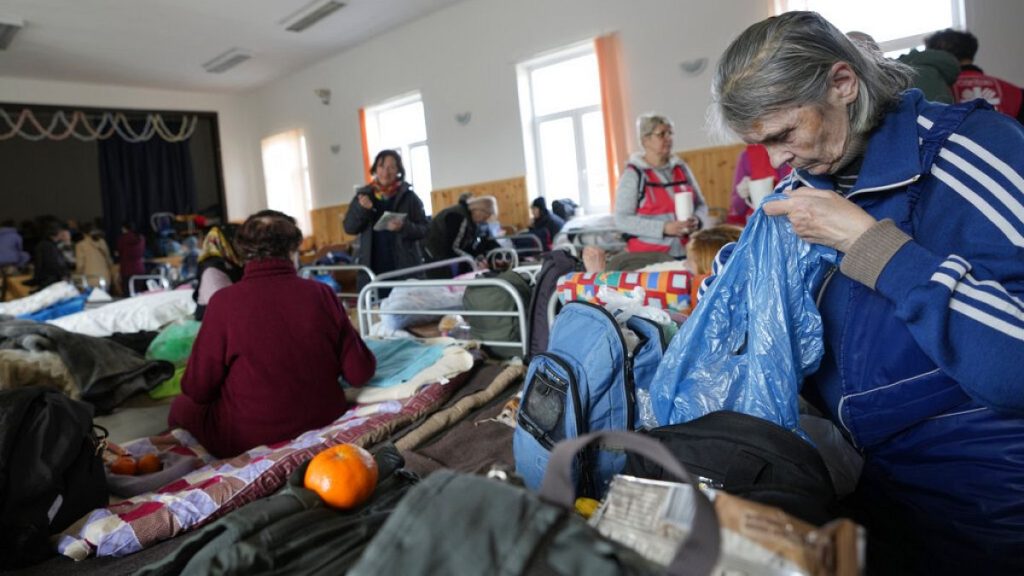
(266, 363)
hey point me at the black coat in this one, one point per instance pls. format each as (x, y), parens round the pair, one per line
(405, 245)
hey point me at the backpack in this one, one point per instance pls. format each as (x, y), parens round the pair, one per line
(586, 381)
(491, 299)
(564, 208)
(749, 457)
(557, 263)
(51, 470)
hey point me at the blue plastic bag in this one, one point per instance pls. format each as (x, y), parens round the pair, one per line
(755, 334)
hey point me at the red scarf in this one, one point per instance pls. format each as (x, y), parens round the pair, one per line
(380, 192)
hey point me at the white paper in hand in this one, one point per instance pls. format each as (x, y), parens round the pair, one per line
(387, 218)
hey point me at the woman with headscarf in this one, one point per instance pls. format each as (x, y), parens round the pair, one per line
(219, 266)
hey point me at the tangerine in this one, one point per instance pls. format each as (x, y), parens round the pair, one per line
(150, 463)
(124, 465)
(344, 475)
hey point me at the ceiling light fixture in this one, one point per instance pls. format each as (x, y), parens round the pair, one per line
(311, 14)
(227, 60)
(8, 28)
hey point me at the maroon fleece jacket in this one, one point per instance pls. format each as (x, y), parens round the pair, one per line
(264, 367)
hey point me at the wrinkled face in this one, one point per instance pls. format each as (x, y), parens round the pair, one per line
(811, 138)
(480, 214)
(387, 171)
(659, 142)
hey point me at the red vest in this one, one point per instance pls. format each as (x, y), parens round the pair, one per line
(657, 198)
(1003, 96)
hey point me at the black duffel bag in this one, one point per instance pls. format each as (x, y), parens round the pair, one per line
(51, 470)
(749, 457)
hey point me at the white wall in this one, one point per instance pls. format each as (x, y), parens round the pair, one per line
(998, 24)
(463, 59)
(241, 167)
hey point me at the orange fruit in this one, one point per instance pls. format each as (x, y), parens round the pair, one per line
(344, 475)
(150, 463)
(124, 465)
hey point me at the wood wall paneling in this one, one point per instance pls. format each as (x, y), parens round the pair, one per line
(513, 202)
(714, 168)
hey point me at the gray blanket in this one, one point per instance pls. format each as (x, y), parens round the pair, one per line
(105, 372)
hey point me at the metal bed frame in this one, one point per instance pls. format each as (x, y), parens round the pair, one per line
(366, 302)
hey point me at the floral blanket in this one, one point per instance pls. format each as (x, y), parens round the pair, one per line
(224, 485)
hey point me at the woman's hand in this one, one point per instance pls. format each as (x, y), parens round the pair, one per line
(365, 201)
(822, 217)
(395, 225)
(680, 227)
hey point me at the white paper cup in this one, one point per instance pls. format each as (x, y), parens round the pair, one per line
(684, 206)
(759, 189)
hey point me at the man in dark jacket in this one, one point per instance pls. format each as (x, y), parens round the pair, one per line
(455, 231)
(545, 224)
(49, 264)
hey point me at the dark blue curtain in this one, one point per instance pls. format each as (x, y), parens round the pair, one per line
(138, 179)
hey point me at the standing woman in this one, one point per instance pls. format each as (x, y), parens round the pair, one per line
(645, 206)
(397, 246)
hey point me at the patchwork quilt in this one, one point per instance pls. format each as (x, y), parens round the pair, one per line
(668, 290)
(221, 486)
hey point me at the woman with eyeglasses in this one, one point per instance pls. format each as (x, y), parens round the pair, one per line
(646, 197)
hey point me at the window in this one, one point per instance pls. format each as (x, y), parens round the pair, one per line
(902, 25)
(286, 174)
(400, 125)
(563, 127)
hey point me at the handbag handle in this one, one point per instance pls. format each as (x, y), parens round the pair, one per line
(698, 554)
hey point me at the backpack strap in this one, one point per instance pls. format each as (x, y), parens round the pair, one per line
(947, 122)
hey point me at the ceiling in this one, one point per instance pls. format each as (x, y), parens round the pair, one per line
(164, 43)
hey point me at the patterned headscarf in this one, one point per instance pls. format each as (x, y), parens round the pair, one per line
(217, 245)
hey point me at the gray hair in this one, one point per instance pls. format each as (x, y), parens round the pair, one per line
(646, 124)
(786, 61)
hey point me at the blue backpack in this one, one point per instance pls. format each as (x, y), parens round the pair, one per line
(586, 381)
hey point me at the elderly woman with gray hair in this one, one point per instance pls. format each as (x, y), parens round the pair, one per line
(645, 199)
(924, 322)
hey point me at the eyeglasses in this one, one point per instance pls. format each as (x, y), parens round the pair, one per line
(663, 134)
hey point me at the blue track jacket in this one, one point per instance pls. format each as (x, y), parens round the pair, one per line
(925, 372)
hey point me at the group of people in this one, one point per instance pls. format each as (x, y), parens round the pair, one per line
(922, 322)
(65, 249)
(407, 238)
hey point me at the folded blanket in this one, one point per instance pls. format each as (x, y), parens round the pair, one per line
(400, 360)
(105, 372)
(453, 360)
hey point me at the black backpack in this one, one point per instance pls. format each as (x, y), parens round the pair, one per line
(557, 263)
(749, 457)
(51, 470)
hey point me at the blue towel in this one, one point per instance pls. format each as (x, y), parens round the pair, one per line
(62, 308)
(400, 360)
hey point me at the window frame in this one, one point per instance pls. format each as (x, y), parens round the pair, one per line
(296, 138)
(532, 123)
(376, 142)
(892, 45)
